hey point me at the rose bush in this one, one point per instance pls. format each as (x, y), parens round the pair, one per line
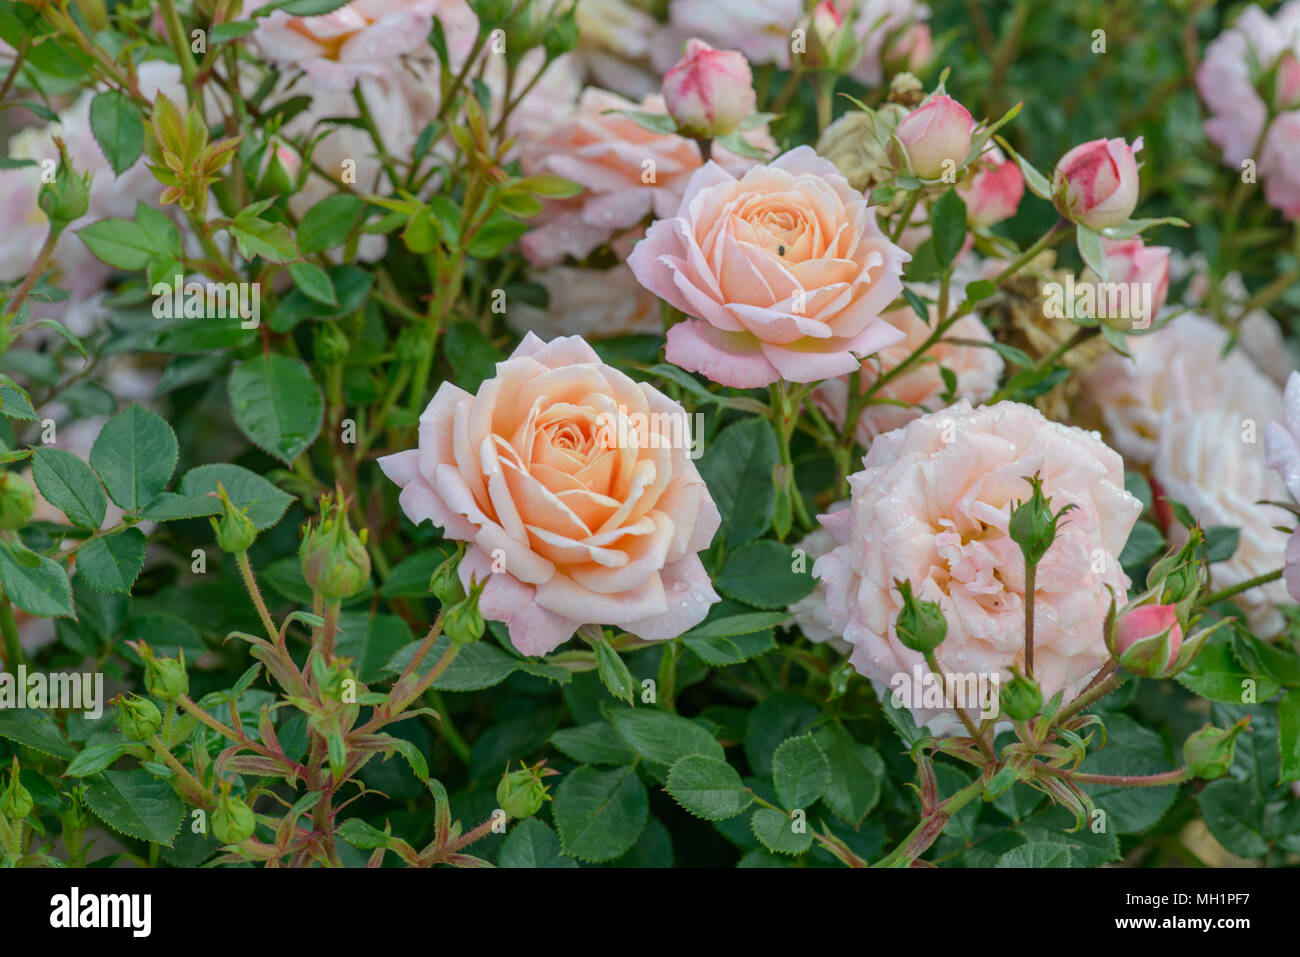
(520, 433)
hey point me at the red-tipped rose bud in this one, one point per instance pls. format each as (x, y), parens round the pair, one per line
(1096, 183)
(709, 92)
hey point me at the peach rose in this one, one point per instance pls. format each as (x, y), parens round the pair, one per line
(932, 505)
(627, 173)
(572, 484)
(784, 270)
(921, 387)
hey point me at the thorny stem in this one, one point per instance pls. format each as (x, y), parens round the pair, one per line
(931, 826)
(42, 260)
(255, 593)
(1240, 587)
(1031, 573)
(1122, 780)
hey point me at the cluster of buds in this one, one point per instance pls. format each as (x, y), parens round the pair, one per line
(334, 559)
(462, 621)
(1154, 636)
(180, 155)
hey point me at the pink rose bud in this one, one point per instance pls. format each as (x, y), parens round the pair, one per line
(710, 92)
(1147, 639)
(1288, 82)
(933, 139)
(995, 191)
(826, 23)
(1145, 269)
(915, 48)
(1096, 183)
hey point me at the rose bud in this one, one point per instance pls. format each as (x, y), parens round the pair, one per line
(235, 531)
(994, 192)
(1147, 640)
(1208, 753)
(17, 501)
(522, 793)
(1096, 183)
(931, 137)
(15, 801)
(334, 559)
(921, 625)
(1020, 698)
(1132, 263)
(233, 821)
(709, 92)
(137, 718)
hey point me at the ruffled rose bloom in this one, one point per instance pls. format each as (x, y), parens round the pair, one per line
(995, 190)
(710, 92)
(1214, 463)
(784, 270)
(1140, 268)
(1179, 367)
(922, 387)
(363, 37)
(572, 484)
(592, 303)
(1096, 183)
(932, 506)
(1282, 447)
(1227, 77)
(627, 173)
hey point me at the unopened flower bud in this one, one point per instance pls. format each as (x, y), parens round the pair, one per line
(137, 718)
(463, 621)
(1286, 94)
(235, 530)
(709, 92)
(66, 197)
(933, 139)
(335, 562)
(445, 583)
(522, 793)
(1208, 752)
(233, 821)
(1020, 698)
(1147, 640)
(1033, 525)
(1096, 183)
(330, 343)
(17, 501)
(164, 678)
(921, 625)
(16, 801)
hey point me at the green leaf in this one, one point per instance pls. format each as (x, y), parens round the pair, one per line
(118, 126)
(1039, 854)
(1090, 251)
(136, 804)
(277, 405)
(778, 832)
(264, 504)
(856, 773)
(1130, 750)
(661, 737)
(328, 223)
(763, 574)
(259, 237)
(1144, 543)
(737, 466)
(779, 716)
(600, 814)
(362, 836)
(614, 673)
(948, 227)
(371, 640)
(135, 454)
(800, 772)
(36, 730)
(1216, 674)
(708, 787)
(594, 743)
(531, 843)
(410, 577)
(1234, 815)
(112, 563)
(1221, 542)
(470, 354)
(15, 405)
(314, 282)
(42, 590)
(733, 625)
(474, 668)
(70, 485)
(1288, 735)
(93, 759)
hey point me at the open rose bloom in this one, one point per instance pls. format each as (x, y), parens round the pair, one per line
(783, 272)
(574, 487)
(931, 506)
